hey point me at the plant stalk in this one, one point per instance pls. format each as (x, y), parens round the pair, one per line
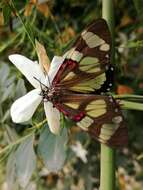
(12, 6)
(20, 140)
(107, 162)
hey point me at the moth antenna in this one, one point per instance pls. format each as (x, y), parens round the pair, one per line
(49, 80)
(40, 85)
(40, 82)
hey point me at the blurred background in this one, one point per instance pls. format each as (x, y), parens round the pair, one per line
(55, 24)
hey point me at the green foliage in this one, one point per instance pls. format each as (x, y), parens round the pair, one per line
(57, 30)
(6, 13)
(139, 8)
(21, 164)
(51, 149)
(11, 172)
(25, 161)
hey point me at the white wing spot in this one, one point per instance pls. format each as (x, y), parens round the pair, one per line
(85, 123)
(76, 56)
(117, 119)
(92, 40)
(107, 67)
(116, 110)
(111, 100)
(104, 47)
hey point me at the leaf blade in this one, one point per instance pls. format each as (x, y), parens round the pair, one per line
(51, 149)
(25, 161)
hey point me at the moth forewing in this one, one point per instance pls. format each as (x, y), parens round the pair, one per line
(89, 58)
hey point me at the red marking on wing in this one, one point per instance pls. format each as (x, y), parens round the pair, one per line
(75, 115)
(62, 109)
(119, 136)
(79, 116)
(67, 66)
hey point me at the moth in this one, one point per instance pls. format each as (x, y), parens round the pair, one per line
(79, 88)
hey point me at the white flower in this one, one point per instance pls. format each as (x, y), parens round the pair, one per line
(80, 151)
(23, 108)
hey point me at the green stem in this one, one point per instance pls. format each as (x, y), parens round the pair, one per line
(20, 140)
(12, 5)
(57, 28)
(107, 168)
(130, 101)
(10, 146)
(108, 15)
(128, 96)
(131, 105)
(107, 163)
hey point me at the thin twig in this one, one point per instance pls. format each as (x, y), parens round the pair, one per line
(10, 146)
(12, 5)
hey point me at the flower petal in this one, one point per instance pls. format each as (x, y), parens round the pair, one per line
(28, 68)
(53, 117)
(23, 108)
(54, 67)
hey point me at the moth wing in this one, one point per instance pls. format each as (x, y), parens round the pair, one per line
(88, 59)
(99, 115)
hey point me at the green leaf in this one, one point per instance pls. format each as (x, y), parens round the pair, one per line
(25, 161)
(6, 82)
(133, 44)
(4, 73)
(11, 172)
(10, 133)
(139, 7)
(51, 149)
(20, 89)
(7, 93)
(6, 13)
(6, 115)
